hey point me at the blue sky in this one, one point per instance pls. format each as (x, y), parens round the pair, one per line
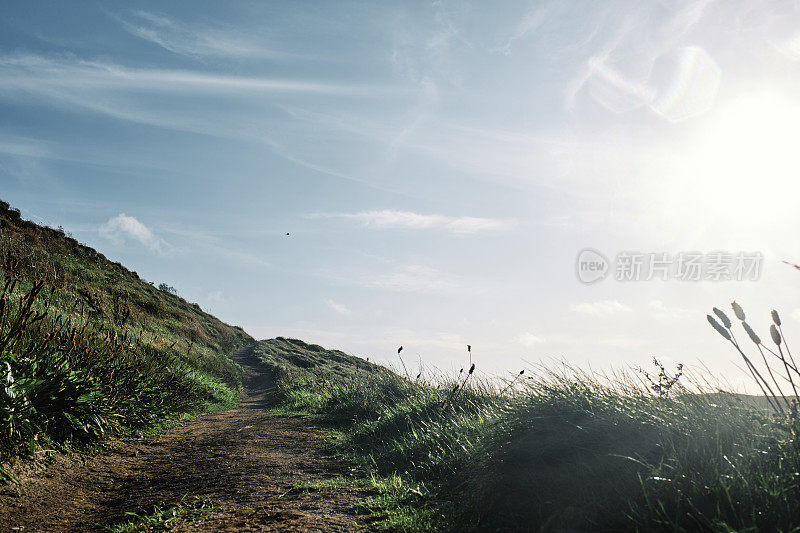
(438, 165)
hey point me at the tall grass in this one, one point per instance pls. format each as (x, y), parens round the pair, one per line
(64, 381)
(559, 450)
(88, 349)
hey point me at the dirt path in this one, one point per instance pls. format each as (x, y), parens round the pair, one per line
(243, 461)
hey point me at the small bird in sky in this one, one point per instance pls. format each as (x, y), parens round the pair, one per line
(287, 234)
(400, 349)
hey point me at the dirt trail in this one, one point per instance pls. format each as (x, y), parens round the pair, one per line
(244, 461)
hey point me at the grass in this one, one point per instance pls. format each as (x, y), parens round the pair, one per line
(392, 503)
(164, 518)
(88, 349)
(554, 451)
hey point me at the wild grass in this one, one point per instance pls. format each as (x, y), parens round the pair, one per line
(84, 355)
(391, 503)
(165, 518)
(558, 450)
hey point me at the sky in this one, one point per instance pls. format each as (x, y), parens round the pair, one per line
(438, 166)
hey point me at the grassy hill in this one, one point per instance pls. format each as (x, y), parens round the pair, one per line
(290, 355)
(87, 348)
(555, 451)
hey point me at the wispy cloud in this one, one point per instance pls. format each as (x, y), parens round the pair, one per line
(338, 308)
(127, 94)
(209, 243)
(529, 23)
(193, 40)
(29, 72)
(528, 340)
(123, 228)
(601, 308)
(515, 157)
(390, 219)
(414, 278)
(21, 146)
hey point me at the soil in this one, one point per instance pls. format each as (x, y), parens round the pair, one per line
(244, 462)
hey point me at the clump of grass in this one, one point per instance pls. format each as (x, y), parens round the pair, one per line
(391, 502)
(77, 382)
(164, 518)
(558, 450)
(398, 506)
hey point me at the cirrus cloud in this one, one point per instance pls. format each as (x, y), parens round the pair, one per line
(392, 219)
(191, 40)
(415, 278)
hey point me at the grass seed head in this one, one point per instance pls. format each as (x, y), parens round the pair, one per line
(717, 326)
(776, 318)
(776, 336)
(753, 337)
(737, 309)
(722, 316)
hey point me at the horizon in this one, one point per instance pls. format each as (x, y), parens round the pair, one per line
(428, 175)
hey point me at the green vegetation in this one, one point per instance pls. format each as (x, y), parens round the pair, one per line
(87, 349)
(558, 450)
(286, 355)
(392, 502)
(164, 518)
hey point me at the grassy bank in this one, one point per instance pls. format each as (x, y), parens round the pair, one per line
(88, 349)
(554, 451)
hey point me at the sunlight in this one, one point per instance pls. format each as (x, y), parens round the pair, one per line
(744, 163)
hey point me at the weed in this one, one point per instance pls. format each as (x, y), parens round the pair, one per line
(164, 518)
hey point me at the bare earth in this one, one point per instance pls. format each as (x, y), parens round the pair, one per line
(244, 461)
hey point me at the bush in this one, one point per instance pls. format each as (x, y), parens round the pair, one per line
(166, 288)
(70, 382)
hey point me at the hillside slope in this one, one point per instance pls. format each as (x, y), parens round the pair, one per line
(551, 451)
(291, 355)
(87, 347)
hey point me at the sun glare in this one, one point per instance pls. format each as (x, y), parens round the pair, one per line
(742, 165)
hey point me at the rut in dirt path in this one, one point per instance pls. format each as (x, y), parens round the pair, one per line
(244, 461)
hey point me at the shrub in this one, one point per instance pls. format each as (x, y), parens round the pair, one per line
(68, 381)
(166, 288)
